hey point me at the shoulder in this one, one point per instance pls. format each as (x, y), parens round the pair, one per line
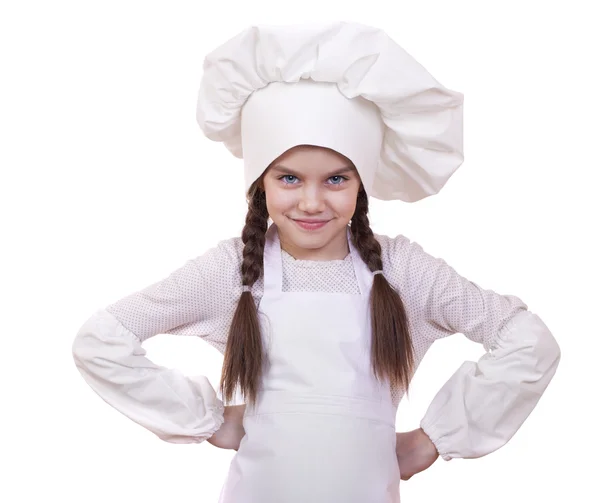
(406, 264)
(395, 249)
(402, 249)
(221, 261)
(390, 244)
(200, 290)
(226, 252)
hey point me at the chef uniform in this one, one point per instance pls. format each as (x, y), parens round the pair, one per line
(323, 427)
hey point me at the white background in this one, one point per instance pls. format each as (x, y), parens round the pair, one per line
(108, 185)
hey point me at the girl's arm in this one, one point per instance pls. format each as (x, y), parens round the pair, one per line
(481, 407)
(484, 403)
(108, 352)
(231, 432)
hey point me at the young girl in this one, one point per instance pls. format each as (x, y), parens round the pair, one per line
(323, 323)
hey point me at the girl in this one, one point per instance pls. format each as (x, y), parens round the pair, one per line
(323, 323)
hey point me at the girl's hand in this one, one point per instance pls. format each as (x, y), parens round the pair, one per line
(231, 432)
(415, 452)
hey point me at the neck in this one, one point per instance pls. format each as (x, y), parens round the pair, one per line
(332, 251)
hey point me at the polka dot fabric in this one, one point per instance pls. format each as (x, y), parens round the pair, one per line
(311, 276)
(199, 298)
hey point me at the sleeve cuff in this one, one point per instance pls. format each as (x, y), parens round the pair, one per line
(429, 428)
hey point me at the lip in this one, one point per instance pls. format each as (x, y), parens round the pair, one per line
(310, 225)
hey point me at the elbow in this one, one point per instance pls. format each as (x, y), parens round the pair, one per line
(92, 339)
(554, 351)
(546, 350)
(534, 347)
(86, 343)
(79, 350)
(548, 346)
(536, 338)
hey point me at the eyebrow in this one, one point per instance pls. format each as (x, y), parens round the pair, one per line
(283, 169)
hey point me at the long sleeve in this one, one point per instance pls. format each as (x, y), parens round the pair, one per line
(484, 403)
(481, 407)
(175, 407)
(107, 350)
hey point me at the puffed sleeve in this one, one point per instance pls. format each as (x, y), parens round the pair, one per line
(484, 403)
(109, 355)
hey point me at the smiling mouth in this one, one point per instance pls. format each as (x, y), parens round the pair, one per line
(309, 225)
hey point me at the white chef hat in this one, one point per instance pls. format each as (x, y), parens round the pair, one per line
(345, 86)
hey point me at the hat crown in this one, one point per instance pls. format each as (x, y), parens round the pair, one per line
(283, 115)
(421, 120)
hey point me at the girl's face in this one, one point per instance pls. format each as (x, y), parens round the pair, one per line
(317, 184)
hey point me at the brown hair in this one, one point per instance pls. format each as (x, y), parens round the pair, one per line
(391, 347)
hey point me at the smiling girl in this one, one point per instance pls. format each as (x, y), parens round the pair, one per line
(322, 322)
(312, 189)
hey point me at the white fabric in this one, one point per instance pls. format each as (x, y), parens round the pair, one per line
(423, 137)
(324, 428)
(490, 399)
(177, 408)
(282, 115)
(199, 298)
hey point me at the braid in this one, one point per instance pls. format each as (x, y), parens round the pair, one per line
(243, 359)
(391, 348)
(363, 238)
(392, 353)
(253, 237)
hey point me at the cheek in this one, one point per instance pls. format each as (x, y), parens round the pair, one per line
(345, 204)
(278, 200)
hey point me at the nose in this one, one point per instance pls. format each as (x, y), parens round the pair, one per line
(311, 200)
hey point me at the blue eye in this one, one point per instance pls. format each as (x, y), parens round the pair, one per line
(342, 179)
(284, 176)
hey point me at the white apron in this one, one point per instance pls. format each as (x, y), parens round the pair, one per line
(323, 428)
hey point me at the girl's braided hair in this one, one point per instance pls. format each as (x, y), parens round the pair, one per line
(391, 348)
